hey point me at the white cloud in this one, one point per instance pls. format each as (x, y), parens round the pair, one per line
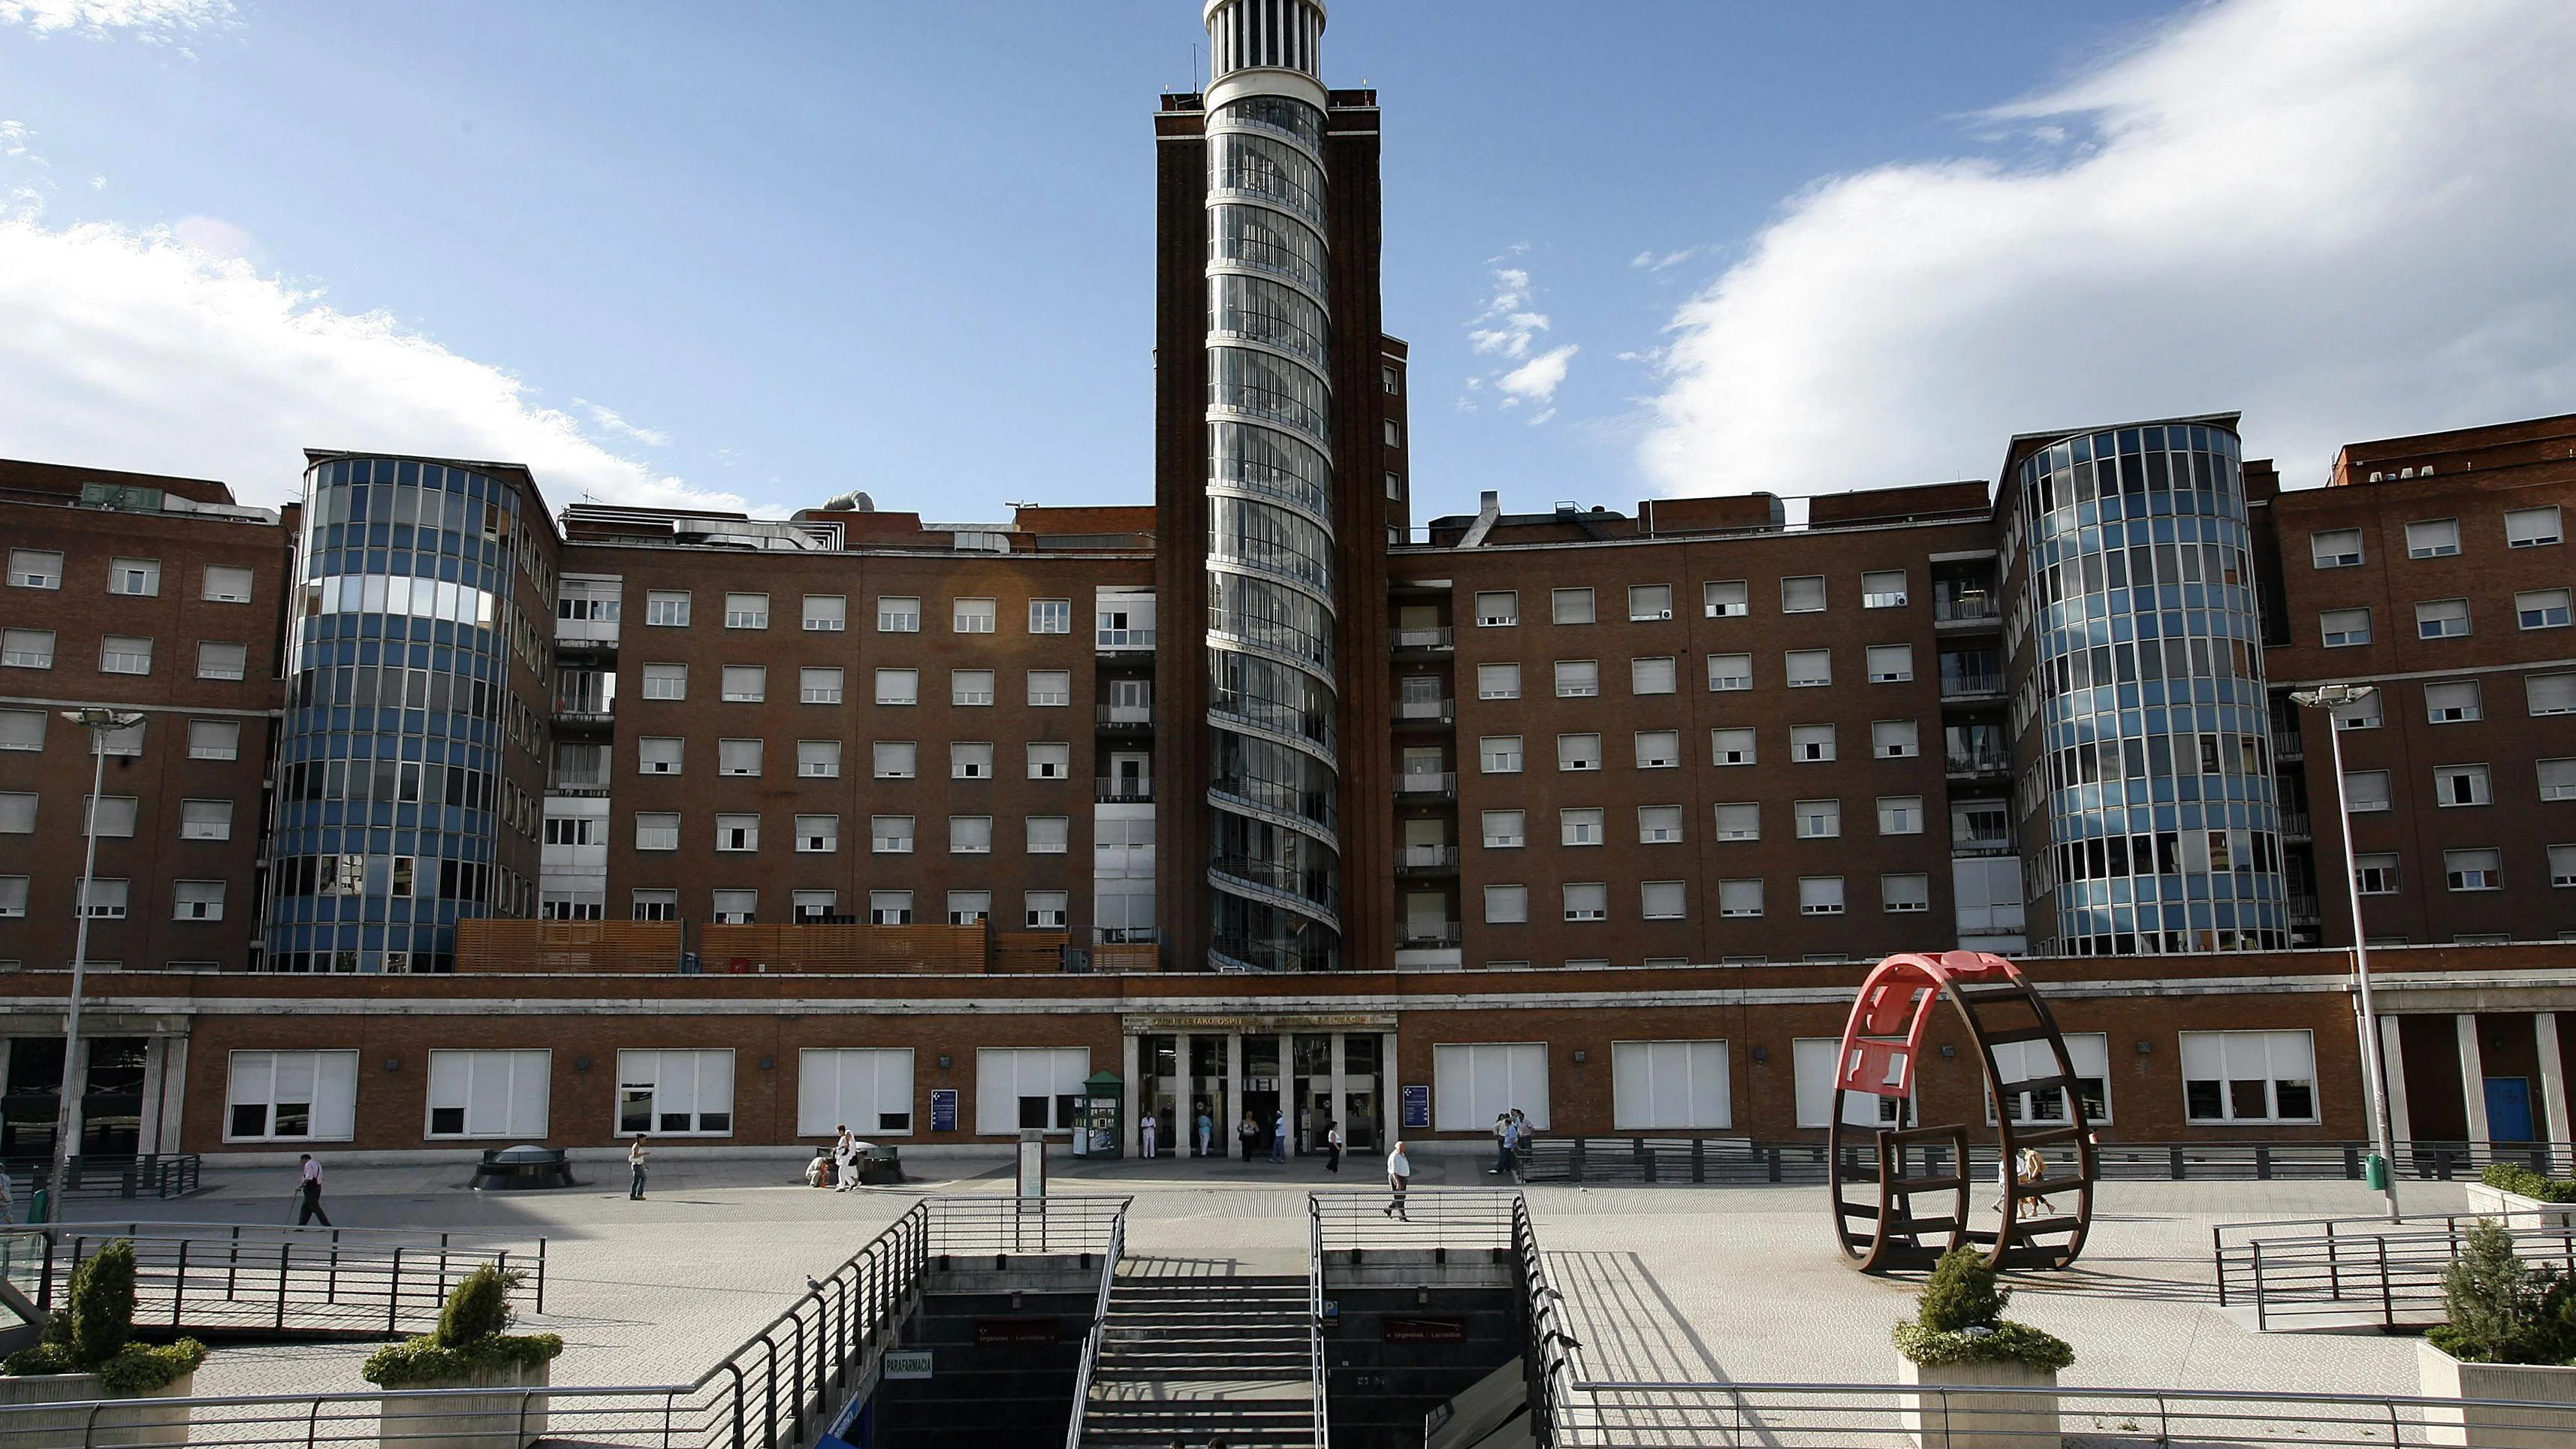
(1536, 380)
(1507, 327)
(214, 236)
(2349, 221)
(148, 19)
(138, 351)
(609, 422)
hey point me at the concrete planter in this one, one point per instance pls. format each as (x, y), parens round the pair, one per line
(1965, 1419)
(2535, 1422)
(2513, 1209)
(506, 1416)
(143, 1419)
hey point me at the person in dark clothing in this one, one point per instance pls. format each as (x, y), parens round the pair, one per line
(1333, 1146)
(311, 1189)
(1248, 1132)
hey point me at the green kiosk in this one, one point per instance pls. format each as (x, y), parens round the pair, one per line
(1097, 1115)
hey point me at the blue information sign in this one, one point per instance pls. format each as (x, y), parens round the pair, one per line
(1417, 1106)
(943, 1109)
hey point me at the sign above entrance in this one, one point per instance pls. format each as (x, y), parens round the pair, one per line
(1139, 1025)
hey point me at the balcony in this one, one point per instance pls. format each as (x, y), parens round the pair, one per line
(578, 783)
(582, 714)
(2287, 745)
(1111, 641)
(1442, 640)
(1123, 791)
(1970, 684)
(1429, 936)
(1418, 860)
(2295, 826)
(1978, 765)
(1124, 718)
(2303, 911)
(1965, 609)
(1972, 845)
(1425, 713)
(1427, 786)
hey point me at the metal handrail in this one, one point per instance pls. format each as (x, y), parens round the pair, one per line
(365, 1281)
(1739, 1160)
(1116, 1249)
(1323, 1416)
(2385, 1273)
(1549, 1355)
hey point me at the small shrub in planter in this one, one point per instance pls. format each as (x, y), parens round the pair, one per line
(1960, 1319)
(472, 1340)
(2523, 1182)
(94, 1333)
(2499, 1310)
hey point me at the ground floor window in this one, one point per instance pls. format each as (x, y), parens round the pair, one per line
(867, 1089)
(1017, 1087)
(2022, 1061)
(675, 1093)
(1668, 1084)
(292, 1097)
(1813, 1060)
(2249, 1076)
(1472, 1083)
(489, 1093)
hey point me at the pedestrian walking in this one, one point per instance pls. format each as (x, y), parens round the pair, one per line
(635, 1155)
(845, 1162)
(1502, 1144)
(1520, 1140)
(1248, 1132)
(1399, 1172)
(1147, 1129)
(1207, 1130)
(310, 1189)
(1279, 1137)
(1333, 1146)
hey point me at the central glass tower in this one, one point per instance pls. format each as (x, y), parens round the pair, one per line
(1274, 772)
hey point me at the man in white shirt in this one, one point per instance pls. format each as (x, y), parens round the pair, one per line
(1399, 1172)
(310, 1187)
(635, 1155)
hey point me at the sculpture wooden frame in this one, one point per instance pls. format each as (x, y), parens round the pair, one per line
(1882, 1043)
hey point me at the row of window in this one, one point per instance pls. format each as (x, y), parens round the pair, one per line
(1800, 669)
(820, 613)
(208, 739)
(42, 568)
(2446, 618)
(311, 1096)
(112, 817)
(657, 830)
(109, 898)
(749, 684)
(2462, 701)
(738, 906)
(121, 654)
(1889, 739)
(1668, 900)
(2341, 548)
(2462, 871)
(1719, 599)
(1979, 824)
(2367, 791)
(664, 755)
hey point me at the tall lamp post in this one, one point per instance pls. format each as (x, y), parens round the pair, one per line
(2331, 697)
(100, 722)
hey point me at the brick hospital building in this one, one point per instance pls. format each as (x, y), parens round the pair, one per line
(453, 818)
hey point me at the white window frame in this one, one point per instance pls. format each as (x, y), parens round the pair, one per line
(457, 1083)
(330, 1083)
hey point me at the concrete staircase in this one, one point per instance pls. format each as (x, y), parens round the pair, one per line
(1190, 1361)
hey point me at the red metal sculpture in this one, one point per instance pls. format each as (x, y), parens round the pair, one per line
(2047, 1196)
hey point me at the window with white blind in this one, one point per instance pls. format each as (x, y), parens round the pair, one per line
(1570, 606)
(17, 812)
(2344, 628)
(1883, 590)
(735, 907)
(2473, 870)
(738, 757)
(1578, 752)
(1579, 826)
(1811, 744)
(970, 835)
(1506, 905)
(826, 613)
(2088, 1052)
(1669, 1085)
(898, 686)
(2249, 1076)
(1904, 893)
(1498, 681)
(2433, 538)
(2558, 779)
(1050, 761)
(1820, 895)
(2455, 702)
(1498, 609)
(1028, 1088)
(738, 832)
(1894, 739)
(35, 568)
(1725, 599)
(1587, 901)
(2562, 868)
(1809, 668)
(1891, 663)
(813, 907)
(657, 830)
(2542, 609)
(111, 816)
(867, 1089)
(898, 614)
(1650, 676)
(26, 648)
(746, 611)
(969, 908)
(1802, 595)
(1499, 754)
(2335, 548)
(291, 1096)
(489, 1093)
(2365, 790)
(1731, 745)
(1649, 602)
(197, 900)
(1900, 814)
(1740, 820)
(897, 759)
(970, 760)
(1050, 688)
(1050, 834)
(216, 660)
(1739, 899)
(2442, 619)
(1473, 1083)
(746, 683)
(970, 687)
(659, 754)
(1505, 829)
(2531, 527)
(675, 1093)
(653, 904)
(205, 820)
(13, 897)
(214, 739)
(108, 899)
(666, 681)
(818, 685)
(818, 759)
(890, 834)
(1812, 1062)
(2547, 694)
(1663, 900)
(1577, 678)
(974, 616)
(666, 609)
(818, 834)
(2374, 875)
(1659, 749)
(140, 577)
(1728, 672)
(124, 654)
(889, 908)
(1818, 819)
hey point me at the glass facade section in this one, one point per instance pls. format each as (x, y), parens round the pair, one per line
(389, 786)
(2149, 804)
(1274, 865)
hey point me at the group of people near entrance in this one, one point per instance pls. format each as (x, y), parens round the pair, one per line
(1248, 1132)
(838, 1169)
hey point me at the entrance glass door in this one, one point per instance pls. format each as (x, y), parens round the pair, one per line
(1209, 1098)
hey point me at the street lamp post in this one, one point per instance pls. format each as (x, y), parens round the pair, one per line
(2329, 698)
(99, 722)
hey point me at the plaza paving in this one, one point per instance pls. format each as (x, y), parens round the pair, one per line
(1666, 1283)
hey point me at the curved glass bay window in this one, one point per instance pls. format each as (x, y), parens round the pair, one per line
(389, 765)
(2155, 768)
(1274, 776)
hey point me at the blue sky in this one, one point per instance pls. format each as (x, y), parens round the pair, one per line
(661, 252)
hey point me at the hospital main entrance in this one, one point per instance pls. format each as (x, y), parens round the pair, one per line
(1200, 1078)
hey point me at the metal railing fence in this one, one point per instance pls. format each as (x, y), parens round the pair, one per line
(1323, 1417)
(1112, 1251)
(777, 1390)
(1548, 1356)
(1742, 1161)
(148, 1174)
(2367, 1269)
(1904, 1416)
(246, 1278)
(1461, 1218)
